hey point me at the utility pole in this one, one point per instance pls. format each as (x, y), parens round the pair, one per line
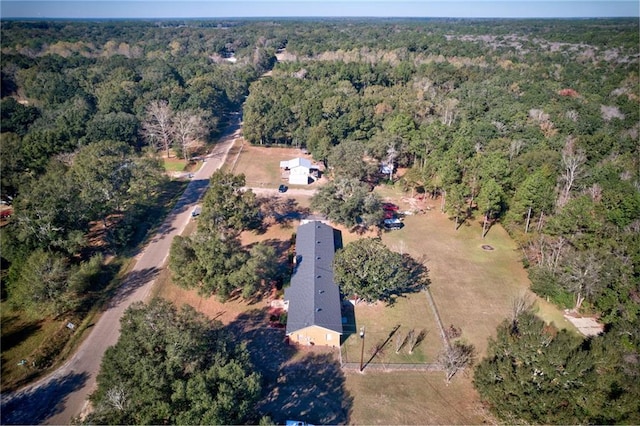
(362, 350)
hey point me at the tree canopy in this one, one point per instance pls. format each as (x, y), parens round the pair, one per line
(213, 259)
(367, 269)
(174, 367)
(538, 374)
(349, 202)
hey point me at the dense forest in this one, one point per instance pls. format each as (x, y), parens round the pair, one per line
(85, 109)
(533, 124)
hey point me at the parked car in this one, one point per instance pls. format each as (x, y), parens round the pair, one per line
(391, 224)
(282, 188)
(196, 211)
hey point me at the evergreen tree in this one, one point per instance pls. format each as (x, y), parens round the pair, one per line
(173, 367)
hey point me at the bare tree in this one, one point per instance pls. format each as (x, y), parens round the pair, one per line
(378, 351)
(189, 128)
(572, 161)
(520, 304)
(581, 276)
(392, 154)
(117, 398)
(453, 332)
(448, 111)
(157, 128)
(455, 358)
(413, 339)
(515, 147)
(399, 340)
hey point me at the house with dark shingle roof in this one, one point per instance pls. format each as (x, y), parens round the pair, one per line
(314, 315)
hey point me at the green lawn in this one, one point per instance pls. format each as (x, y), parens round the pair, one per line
(174, 164)
(21, 339)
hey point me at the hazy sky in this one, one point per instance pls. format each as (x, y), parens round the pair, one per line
(314, 8)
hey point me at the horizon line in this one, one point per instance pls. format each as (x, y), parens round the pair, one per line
(306, 17)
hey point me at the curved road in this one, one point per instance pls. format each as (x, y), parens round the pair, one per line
(59, 397)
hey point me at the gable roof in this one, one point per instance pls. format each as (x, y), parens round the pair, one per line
(314, 299)
(295, 162)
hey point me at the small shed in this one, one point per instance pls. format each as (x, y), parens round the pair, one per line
(299, 170)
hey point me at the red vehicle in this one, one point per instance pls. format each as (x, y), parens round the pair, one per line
(388, 214)
(5, 214)
(390, 207)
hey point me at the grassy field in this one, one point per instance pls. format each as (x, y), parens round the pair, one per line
(409, 312)
(174, 164)
(261, 165)
(473, 288)
(413, 398)
(21, 338)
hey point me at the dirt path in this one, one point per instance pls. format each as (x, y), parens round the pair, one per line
(290, 192)
(62, 395)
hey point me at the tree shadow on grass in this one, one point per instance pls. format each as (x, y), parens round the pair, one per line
(13, 335)
(418, 281)
(311, 389)
(37, 405)
(281, 211)
(349, 322)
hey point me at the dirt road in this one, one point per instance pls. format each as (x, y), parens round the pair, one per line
(62, 395)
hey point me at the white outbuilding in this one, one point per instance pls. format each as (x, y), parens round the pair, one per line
(299, 170)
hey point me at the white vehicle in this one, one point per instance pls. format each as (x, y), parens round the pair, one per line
(196, 211)
(393, 223)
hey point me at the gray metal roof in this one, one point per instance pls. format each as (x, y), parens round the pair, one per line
(314, 299)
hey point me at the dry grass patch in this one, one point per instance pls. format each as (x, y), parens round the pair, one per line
(224, 312)
(413, 398)
(473, 288)
(261, 165)
(409, 312)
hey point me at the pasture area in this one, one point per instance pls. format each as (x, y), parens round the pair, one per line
(379, 320)
(414, 398)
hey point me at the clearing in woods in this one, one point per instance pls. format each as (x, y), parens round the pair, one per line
(261, 164)
(473, 289)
